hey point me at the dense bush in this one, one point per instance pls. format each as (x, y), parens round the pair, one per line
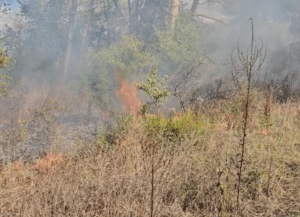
(4, 59)
(108, 136)
(174, 128)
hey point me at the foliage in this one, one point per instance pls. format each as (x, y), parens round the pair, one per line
(108, 137)
(142, 24)
(174, 128)
(4, 59)
(5, 62)
(128, 57)
(95, 80)
(181, 44)
(153, 89)
(145, 108)
(47, 25)
(188, 122)
(4, 81)
(173, 49)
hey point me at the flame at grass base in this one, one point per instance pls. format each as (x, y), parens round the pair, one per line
(127, 94)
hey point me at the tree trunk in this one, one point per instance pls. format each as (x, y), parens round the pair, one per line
(137, 3)
(108, 20)
(83, 46)
(69, 39)
(175, 11)
(86, 32)
(129, 14)
(194, 6)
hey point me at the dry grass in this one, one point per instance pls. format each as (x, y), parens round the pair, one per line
(32, 121)
(196, 177)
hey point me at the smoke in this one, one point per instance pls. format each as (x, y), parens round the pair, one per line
(272, 29)
(40, 45)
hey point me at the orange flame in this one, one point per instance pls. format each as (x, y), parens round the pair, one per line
(131, 103)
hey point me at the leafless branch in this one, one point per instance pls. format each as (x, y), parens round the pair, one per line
(211, 18)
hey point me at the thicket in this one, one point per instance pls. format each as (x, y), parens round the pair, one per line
(133, 59)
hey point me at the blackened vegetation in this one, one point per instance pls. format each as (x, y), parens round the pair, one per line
(285, 89)
(181, 85)
(97, 92)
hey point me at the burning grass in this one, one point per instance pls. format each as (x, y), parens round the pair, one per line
(195, 175)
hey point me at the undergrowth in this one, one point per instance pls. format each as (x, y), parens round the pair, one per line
(194, 168)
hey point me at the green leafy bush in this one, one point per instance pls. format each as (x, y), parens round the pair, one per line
(174, 128)
(4, 59)
(128, 57)
(153, 88)
(6, 63)
(108, 137)
(182, 44)
(4, 81)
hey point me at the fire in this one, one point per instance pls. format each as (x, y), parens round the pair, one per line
(127, 93)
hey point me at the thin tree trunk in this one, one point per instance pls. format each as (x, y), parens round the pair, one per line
(83, 45)
(194, 6)
(134, 15)
(137, 3)
(108, 20)
(175, 11)
(86, 32)
(129, 14)
(69, 39)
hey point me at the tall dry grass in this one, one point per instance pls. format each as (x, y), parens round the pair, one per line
(34, 119)
(196, 176)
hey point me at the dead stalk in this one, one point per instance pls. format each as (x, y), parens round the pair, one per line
(248, 63)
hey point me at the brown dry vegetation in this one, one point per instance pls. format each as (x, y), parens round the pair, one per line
(196, 176)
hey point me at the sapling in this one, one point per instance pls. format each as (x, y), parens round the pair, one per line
(153, 89)
(158, 95)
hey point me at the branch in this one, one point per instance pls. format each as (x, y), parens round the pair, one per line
(194, 6)
(201, 15)
(117, 6)
(6, 36)
(223, 5)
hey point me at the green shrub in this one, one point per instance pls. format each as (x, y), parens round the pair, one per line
(173, 128)
(4, 78)
(129, 56)
(188, 122)
(154, 89)
(108, 137)
(4, 59)
(182, 44)
(4, 81)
